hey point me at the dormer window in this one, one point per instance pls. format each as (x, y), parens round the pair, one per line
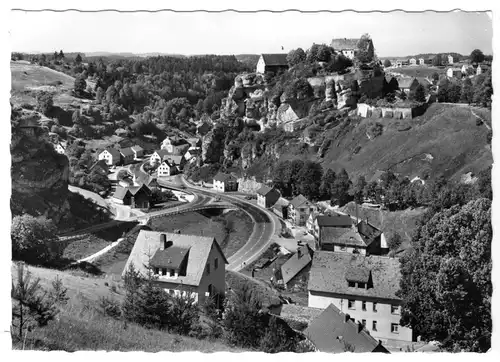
(352, 284)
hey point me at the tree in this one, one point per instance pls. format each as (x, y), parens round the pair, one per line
(387, 63)
(366, 51)
(61, 55)
(359, 189)
(78, 58)
(476, 56)
(467, 92)
(296, 56)
(276, 339)
(312, 53)
(483, 89)
(437, 60)
(30, 305)
(340, 189)
(80, 85)
(309, 179)
(395, 241)
(446, 278)
(45, 102)
(34, 239)
(418, 94)
(327, 183)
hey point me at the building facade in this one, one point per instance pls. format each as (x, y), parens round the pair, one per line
(224, 182)
(364, 287)
(111, 156)
(299, 210)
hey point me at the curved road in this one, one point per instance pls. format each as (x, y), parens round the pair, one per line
(264, 227)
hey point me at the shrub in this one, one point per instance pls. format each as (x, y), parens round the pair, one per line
(376, 129)
(110, 307)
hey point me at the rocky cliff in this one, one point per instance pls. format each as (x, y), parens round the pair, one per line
(39, 175)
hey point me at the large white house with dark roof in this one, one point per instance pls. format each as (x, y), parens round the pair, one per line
(362, 286)
(183, 263)
(348, 47)
(271, 63)
(299, 210)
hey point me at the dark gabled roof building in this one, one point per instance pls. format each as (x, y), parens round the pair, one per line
(272, 63)
(298, 263)
(334, 332)
(267, 196)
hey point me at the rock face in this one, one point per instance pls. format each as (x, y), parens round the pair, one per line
(39, 177)
(212, 146)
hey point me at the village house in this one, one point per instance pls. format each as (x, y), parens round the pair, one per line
(183, 264)
(297, 265)
(482, 68)
(421, 61)
(175, 145)
(134, 196)
(360, 238)
(127, 155)
(413, 61)
(465, 68)
(144, 179)
(194, 142)
(101, 167)
(267, 196)
(166, 169)
(402, 62)
(407, 84)
(192, 153)
(364, 287)
(280, 208)
(348, 47)
(317, 223)
(299, 210)
(454, 73)
(138, 151)
(335, 332)
(60, 147)
(157, 157)
(111, 155)
(451, 60)
(271, 63)
(224, 182)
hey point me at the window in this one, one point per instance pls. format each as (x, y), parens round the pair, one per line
(216, 263)
(363, 322)
(171, 291)
(394, 328)
(351, 304)
(363, 305)
(164, 271)
(374, 307)
(361, 285)
(374, 325)
(352, 284)
(157, 270)
(394, 309)
(172, 273)
(208, 268)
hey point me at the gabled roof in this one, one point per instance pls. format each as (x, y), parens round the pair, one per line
(328, 271)
(148, 242)
(296, 263)
(329, 235)
(101, 164)
(406, 82)
(332, 330)
(275, 59)
(357, 274)
(368, 231)
(145, 179)
(170, 258)
(114, 152)
(120, 193)
(265, 190)
(298, 201)
(173, 159)
(345, 43)
(282, 202)
(223, 177)
(135, 189)
(351, 238)
(162, 153)
(334, 220)
(137, 148)
(127, 152)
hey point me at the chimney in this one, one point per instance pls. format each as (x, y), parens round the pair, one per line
(299, 252)
(163, 241)
(360, 327)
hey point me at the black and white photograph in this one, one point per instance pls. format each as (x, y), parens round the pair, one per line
(226, 180)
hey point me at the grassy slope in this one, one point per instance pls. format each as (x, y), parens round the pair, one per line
(81, 327)
(26, 77)
(446, 132)
(266, 294)
(404, 222)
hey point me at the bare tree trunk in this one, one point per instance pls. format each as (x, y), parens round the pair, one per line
(20, 320)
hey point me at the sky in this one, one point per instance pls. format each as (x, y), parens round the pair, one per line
(394, 34)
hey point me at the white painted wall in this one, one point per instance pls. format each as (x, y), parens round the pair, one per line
(382, 316)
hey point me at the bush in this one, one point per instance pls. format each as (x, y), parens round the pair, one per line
(110, 307)
(376, 129)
